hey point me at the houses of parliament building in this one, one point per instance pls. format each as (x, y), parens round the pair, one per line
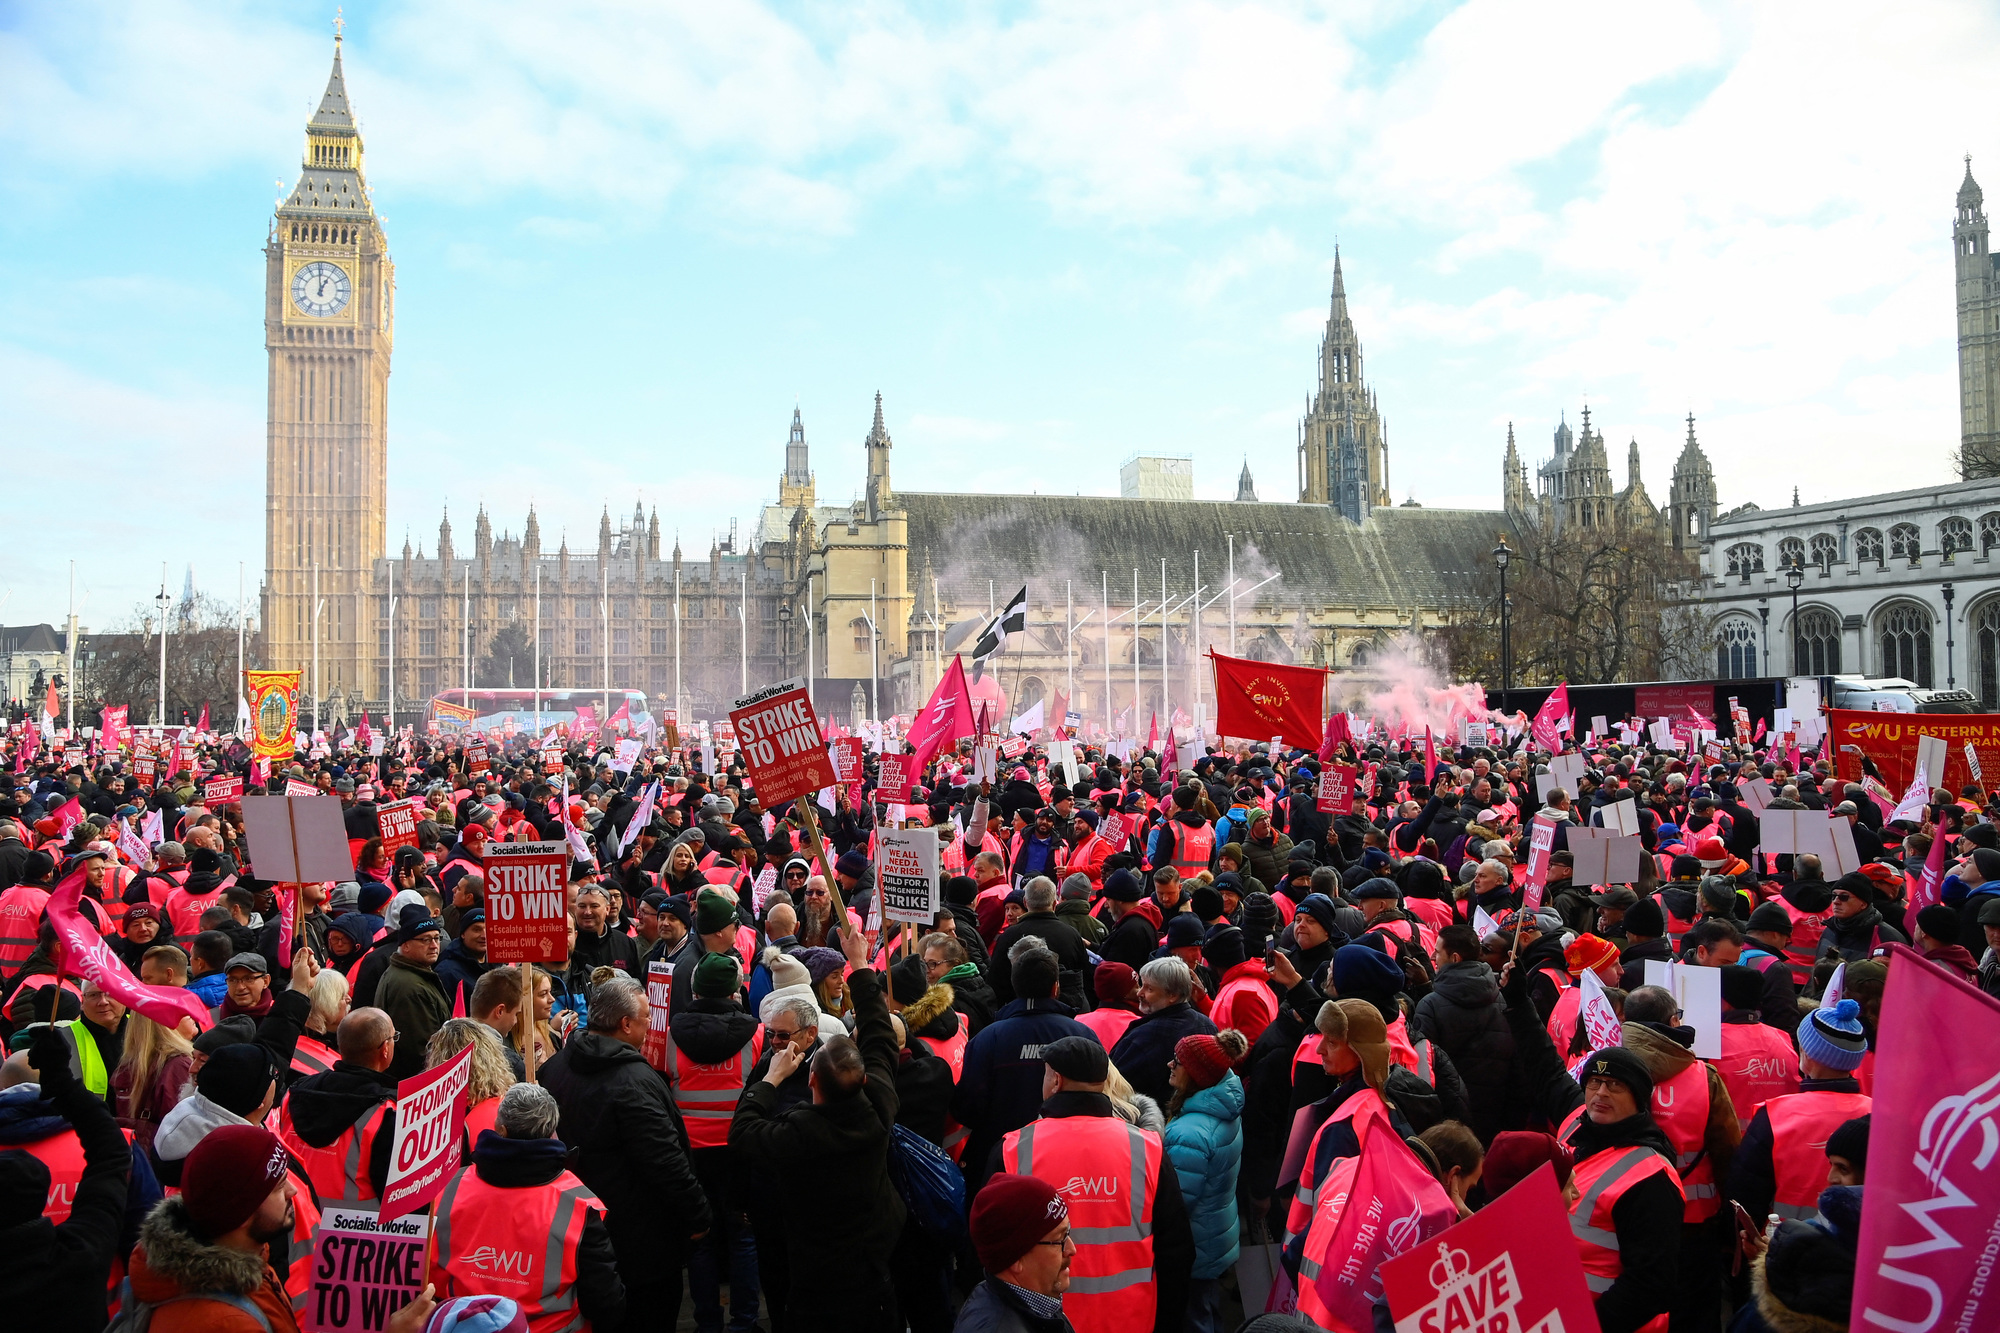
(868, 597)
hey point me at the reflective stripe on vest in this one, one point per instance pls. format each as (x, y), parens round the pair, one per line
(1339, 1181)
(1111, 1215)
(1602, 1180)
(1414, 1056)
(707, 1094)
(1192, 849)
(307, 1059)
(1680, 1106)
(1800, 1127)
(339, 1171)
(518, 1243)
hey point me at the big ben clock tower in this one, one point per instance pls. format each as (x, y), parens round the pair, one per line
(329, 321)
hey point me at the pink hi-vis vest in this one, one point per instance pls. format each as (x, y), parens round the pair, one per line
(339, 1171)
(707, 1094)
(1680, 1106)
(518, 1243)
(1800, 1127)
(1757, 1064)
(1601, 1181)
(1111, 1172)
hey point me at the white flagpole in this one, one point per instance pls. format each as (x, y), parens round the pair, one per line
(743, 624)
(465, 638)
(604, 610)
(69, 671)
(1137, 696)
(315, 620)
(1109, 718)
(678, 703)
(1166, 688)
(1194, 620)
(1069, 648)
(874, 661)
(392, 653)
(538, 648)
(1232, 594)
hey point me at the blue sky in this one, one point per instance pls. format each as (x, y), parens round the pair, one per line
(631, 236)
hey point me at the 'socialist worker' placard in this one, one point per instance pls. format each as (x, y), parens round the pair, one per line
(781, 742)
(906, 874)
(527, 908)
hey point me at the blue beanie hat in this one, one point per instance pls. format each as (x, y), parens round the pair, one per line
(1364, 972)
(1833, 1037)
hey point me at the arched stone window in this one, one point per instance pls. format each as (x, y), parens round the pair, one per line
(1816, 643)
(1954, 534)
(1736, 648)
(1904, 631)
(1791, 554)
(1868, 547)
(1745, 559)
(1825, 552)
(1906, 543)
(1984, 632)
(1989, 531)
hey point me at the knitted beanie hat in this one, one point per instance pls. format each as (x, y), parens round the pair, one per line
(1833, 1037)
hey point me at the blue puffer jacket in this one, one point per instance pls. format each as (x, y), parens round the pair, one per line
(1205, 1142)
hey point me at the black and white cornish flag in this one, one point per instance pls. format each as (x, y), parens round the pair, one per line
(1013, 618)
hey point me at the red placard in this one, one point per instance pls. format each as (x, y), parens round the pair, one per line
(221, 790)
(846, 756)
(1890, 739)
(145, 769)
(294, 787)
(430, 1133)
(1336, 789)
(1510, 1266)
(659, 1008)
(893, 776)
(475, 757)
(399, 825)
(527, 905)
(781, 743)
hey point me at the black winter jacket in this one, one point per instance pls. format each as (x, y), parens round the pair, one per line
(325, 1106)
(1143, 1051)
(626, 1142)
(1463, 1015)
(1063, 941)
(843, 1147)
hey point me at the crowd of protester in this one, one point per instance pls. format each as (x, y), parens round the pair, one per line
(1113, 1085)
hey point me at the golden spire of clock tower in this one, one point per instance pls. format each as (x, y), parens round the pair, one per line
(331, 183)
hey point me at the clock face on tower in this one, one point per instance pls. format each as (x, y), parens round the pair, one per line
(321, 289)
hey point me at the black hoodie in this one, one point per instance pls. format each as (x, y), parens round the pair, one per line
(524, 1163)
(322, 1107)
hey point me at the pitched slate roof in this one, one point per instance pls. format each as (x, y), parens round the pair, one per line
(1401, 558)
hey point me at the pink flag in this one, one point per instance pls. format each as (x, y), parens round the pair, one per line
(1930, 885)
(458, 1000)
(1552, 711)
(1430, 758)
(288, 897)
(1758, 734)
(944, 719)
(1932, 1189)
(201, 724)
(86, 954)
(1153, 733)
(69, 814)
(1393, 1205)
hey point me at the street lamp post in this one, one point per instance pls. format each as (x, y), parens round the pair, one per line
(1764, 618)
(1950, 680)
(1502, 555)
(1795, 578)
(785, 636)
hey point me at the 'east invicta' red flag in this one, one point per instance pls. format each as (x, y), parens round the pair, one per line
(1933, 1190)
(1259, 700)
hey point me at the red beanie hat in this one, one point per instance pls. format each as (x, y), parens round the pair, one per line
(228, 1176)
(1116, 982)
(1010, 1216)
(1203, 1058)
(1587, 953)
(1517, 1154)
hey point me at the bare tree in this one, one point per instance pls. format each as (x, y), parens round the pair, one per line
(123, 666)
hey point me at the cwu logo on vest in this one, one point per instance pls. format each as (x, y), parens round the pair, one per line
(488, 1259)
(1090, 1187)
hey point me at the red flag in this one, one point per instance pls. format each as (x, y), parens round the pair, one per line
(1758, 735)
(1337, 731)
(87, 955)
(1153, 733)
(201, 724)
(1430, 758)
(944, 719)
(1260, 700)
(1932, 1189)
(1548, 715)
(52, 704)
(458, 1000)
